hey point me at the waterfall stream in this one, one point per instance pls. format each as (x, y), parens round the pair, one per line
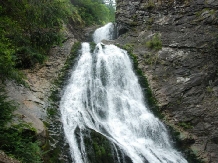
(103, 95)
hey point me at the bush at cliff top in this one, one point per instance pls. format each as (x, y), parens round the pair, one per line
(95, 11)
(155, 43)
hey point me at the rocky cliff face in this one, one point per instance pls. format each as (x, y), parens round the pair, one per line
(183, 74)
(34, 99)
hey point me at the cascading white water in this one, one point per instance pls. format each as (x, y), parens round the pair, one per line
(103, 94)
(105, 32)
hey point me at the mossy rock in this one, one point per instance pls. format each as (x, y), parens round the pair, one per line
(99, 149)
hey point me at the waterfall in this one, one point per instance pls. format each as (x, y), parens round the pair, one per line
(105, 32)
(103, 95)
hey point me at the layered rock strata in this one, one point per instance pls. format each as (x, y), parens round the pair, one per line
(183, 74)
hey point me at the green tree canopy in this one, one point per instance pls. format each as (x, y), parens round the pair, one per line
(29, 28)
(95, 11)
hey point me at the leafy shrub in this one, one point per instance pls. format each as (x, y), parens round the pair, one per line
(27, 57)
(150, 4)
(128, 47)
(154, 43)
(20, 143)
(6, 108)
(7, 49)
(185, 125)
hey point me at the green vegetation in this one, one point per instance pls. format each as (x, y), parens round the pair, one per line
(20, 143)
(17, 140)
(65, 70)
(98, 147)
(30, 28)
(150, 59)
(150, 5)
(155, 43)
(209, 89)
(7, 108)
(94, 11)
(182, 145)
(92, 46)
(129, 47)
(185, 125)
(210, 12)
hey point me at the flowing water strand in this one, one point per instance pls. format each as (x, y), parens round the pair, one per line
(105, 32)
(104, 95)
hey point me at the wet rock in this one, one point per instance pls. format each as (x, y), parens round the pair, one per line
(98, 148)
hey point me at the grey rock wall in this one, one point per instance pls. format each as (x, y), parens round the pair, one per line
(183, 75)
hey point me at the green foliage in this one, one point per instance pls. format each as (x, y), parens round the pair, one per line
(150, 58)
(7, 59)
(27, 56)
(19, 142)
(28, 30)
(111, 13)
(6, 109)
(100, 151)
(150, 5)
(98, 147)
(129, 47)
(209, 89)
(155, 43)
(208, 10)
(94, 11)
(51, 112)
(92, 46)
(68, 64)
(185, 125)
(150, 21)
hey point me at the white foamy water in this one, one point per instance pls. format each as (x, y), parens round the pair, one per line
(105, 32)
(103, 94)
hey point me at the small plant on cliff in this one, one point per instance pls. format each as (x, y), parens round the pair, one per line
(128, 47)
(209, 89)
(150, 5)
(155, 43)
(185, 125)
